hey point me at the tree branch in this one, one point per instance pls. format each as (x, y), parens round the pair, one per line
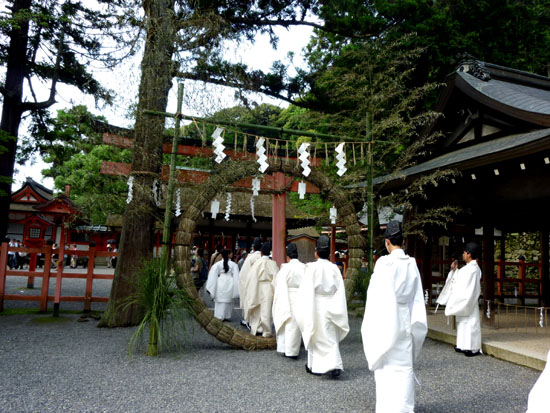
(236, 85)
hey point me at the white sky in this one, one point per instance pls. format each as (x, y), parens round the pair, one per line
(199, 99)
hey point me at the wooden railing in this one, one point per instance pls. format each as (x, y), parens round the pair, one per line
(525, 284)
(58, 273)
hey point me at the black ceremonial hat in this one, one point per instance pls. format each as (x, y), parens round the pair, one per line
(291, 249)
(323, 243)
(393, 228)
(266, 248)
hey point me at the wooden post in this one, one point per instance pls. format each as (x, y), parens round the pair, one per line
(545, 273)
(521, 288)
(278, 225)
(488, 272)
(89, 279)
(427, 269)
(3, 266)
(47, 251)
(333, 244)
(32, 267)
(59, 276)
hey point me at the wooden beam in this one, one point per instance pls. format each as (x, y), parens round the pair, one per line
(199, 177)
(192, 150)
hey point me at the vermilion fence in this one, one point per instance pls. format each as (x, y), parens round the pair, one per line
(58, 273)
(515, 279)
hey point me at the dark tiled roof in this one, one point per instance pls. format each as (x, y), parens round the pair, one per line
(501, 149)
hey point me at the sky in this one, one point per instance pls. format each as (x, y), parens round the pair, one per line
(199, 99)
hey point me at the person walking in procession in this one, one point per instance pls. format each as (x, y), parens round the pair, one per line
(463, 303)
(286, 284)
(222, 285)
(251, 258)
(259, 293)
(322, 313)
(394, 325)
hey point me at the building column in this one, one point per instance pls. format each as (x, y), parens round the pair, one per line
(278, 225)
(488, 272)
(545, 273)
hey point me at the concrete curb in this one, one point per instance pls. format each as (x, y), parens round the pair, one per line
(492, 349)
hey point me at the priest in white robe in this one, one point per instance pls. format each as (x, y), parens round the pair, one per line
(286, 284)
(259, 293)
(394, 325)
(448, 287)
(539, 397)
(463, 303)
(251, 258)
(322, 313)
(223, 285)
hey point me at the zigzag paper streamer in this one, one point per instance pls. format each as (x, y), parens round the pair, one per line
(178, 202)
(228, 206)
(218, 145)
(303, 155)
(255, 187)
(541, 319)
(302, 189)
(252, 208)
(156, 192)
(214, 208)
(341, 157)
(130, 189)
(333, 215)
(488, 313)
(262, 158)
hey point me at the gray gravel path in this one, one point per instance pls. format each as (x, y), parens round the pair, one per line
(74, 366)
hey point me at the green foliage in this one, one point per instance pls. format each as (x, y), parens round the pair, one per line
(74, 151)
(311, 205)
(166, 307)
(97, 195)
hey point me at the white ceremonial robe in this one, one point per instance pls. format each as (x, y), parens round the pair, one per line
(539, 397)
(463, 303)
(393, 330)
(322, 315)
(447, 289)
(259, 295)
(223, 287)
(286, 284)
(245, 271)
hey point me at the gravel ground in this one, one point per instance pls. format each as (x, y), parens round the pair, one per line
(66, 365)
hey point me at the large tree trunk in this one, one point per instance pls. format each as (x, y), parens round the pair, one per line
(138, 222)
(11, 109)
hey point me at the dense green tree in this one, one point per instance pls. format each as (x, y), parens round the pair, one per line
(514, 33)
(48, 42)
(71, 145)
(177, 34)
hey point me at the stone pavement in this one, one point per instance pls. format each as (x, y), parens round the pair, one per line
(526, 346)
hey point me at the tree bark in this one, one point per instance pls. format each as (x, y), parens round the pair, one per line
(138, 223)
(11, 109)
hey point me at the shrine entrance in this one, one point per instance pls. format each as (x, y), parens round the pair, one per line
(225, 175)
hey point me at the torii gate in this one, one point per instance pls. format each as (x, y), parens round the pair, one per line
(226, 176)
(277, 182)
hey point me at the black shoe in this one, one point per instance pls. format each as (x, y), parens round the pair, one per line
(310, 372)
(470, 353)
(335, 373)
(291, 357)
(459, 350)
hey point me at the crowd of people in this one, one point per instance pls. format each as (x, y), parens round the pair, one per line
(306, 303)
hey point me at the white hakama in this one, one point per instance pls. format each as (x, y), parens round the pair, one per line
(259, 295)
(463, 303)
(286, 284)
(393, 330)
(223, 288)
(322, 315)
(243, 279)
(539, 397)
